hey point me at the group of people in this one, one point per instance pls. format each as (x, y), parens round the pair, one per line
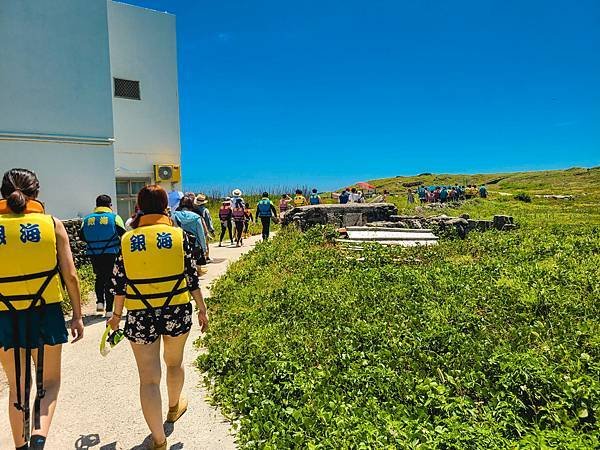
(351, 196)
(443, 194)
(235, 215)
(147, 266)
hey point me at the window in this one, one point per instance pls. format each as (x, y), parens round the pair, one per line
(127, 190)
(127, 89)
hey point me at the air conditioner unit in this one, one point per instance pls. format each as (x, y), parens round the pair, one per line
(167, 172)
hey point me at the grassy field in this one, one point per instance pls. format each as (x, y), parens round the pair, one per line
(484, 343)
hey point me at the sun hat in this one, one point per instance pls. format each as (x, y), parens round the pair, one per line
(236, 193)
(200, 200)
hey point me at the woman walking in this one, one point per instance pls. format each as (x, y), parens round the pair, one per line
(239, 219)
(154, 277)
(249, 218)
(284, 203)
(192, 223)
(225, 219)
(34, 249)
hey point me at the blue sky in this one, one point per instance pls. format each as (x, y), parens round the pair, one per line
(326, 93)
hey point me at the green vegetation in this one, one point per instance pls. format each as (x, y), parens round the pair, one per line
(488, 342)
(86, 278)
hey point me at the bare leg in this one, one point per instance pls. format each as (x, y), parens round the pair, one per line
(52, 363)
(7, 357)
(173, 356)
(147, 357)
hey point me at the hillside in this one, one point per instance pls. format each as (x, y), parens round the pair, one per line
(574, 181)
(485, 343)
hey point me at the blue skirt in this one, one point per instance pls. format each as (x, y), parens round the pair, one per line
(44, 325)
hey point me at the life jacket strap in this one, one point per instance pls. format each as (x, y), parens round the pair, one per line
(112, 242)
(36, 298)
(176, 290)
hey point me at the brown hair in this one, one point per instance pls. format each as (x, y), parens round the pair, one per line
(19, 186)
(186, 202)
(151, 200)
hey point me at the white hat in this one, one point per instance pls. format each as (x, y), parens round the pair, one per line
(236, 193)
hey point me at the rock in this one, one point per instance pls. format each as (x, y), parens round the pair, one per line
(501, 221)
(78, 247)
(352, 214)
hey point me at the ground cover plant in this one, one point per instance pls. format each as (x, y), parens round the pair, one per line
(86, 281)
(488, 342)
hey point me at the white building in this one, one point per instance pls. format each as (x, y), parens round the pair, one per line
(88, 99)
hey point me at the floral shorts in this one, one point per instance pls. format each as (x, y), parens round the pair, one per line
(147, 325)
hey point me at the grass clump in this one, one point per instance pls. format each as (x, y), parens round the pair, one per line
(489, 342)
(86, 280)
(523, 197)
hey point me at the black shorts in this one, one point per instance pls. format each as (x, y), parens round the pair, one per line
(147, 325)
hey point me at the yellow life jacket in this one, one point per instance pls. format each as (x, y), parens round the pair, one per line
(299, 200)
(28, 261)
(153, 257)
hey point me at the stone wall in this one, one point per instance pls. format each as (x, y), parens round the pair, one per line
(463, 224)
(77, 245)
(351, 214)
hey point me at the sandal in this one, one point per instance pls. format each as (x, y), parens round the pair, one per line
(178, 410)
(162, 446)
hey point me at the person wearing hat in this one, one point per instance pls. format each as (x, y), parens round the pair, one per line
(236, 195)
(226, 217)
(200, 208)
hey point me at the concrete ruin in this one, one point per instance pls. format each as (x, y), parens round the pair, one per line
(342, 216)
(462, 224)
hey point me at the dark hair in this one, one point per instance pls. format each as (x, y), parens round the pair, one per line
(186, 202)
(18, 186)
(151, 199)
(299, 191)
(314, 191)
(239, 203)
(103, 200)
(265, 194)
(353, 190)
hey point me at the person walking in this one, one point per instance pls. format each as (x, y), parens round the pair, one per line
(314, 198)
(345, 196)
(238, 214)
(236, 195)
(192, 224)
(483, 191)
(265, 210)
(410, 198)
(154, 278)
(225, 217)
(34, 253)
(299, 199)
(354, 196)
(249, 218)
(443, 194)
(202, 210)
(101, 231)
(284, 204)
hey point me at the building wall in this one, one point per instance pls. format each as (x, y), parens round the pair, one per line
(143, 48)
(55, 99)
(71, 176)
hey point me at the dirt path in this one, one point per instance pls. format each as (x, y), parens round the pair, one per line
(98, 406)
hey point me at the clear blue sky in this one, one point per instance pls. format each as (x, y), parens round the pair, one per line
(325, 93)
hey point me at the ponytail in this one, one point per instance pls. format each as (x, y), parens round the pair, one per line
(17, 201)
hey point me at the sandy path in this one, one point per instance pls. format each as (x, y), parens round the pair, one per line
(98, 406)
